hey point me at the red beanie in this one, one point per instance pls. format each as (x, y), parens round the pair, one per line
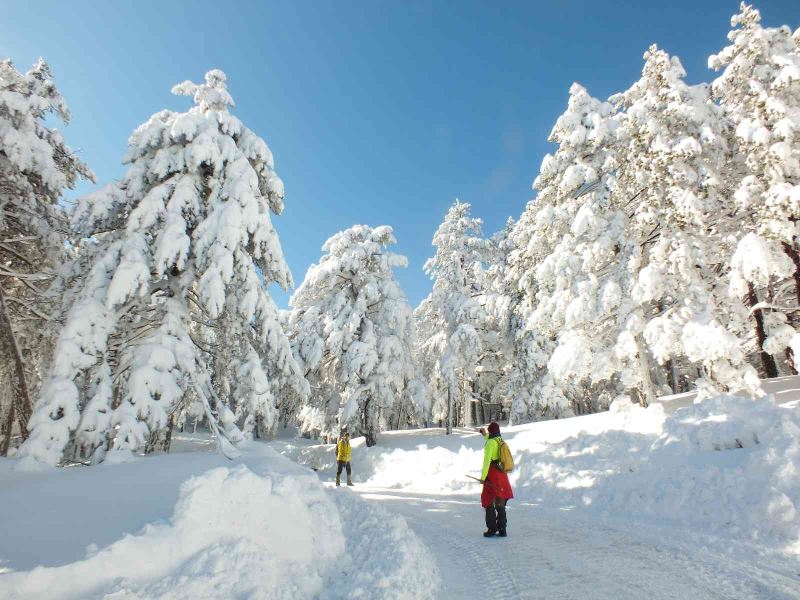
(494, 428)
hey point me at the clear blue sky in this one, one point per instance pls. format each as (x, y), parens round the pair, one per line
(376, 112)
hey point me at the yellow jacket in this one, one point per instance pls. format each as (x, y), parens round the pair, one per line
(491, 453)
(343, 450)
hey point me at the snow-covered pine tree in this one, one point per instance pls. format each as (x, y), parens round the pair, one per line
(491, 382)
(566, 263)
(672, 158)
(183, 248)
(451, 317)
(36, 166)
(759, 89)
(529, 387)
(352, 333)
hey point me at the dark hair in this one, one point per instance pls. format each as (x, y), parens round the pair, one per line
(494, 429)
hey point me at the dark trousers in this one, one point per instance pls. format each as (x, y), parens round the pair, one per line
(496, 515)
(341, 464)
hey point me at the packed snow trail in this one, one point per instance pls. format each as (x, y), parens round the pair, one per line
(561, 554)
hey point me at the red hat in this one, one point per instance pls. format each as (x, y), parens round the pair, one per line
(494, 428)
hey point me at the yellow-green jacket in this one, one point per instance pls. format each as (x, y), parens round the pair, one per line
(343, 450)
(491, 453)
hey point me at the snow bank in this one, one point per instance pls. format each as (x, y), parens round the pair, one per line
(383, 558)
(260, 529)
(727, 464)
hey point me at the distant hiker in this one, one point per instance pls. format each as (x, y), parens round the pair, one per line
(496, 487)
(343, 456)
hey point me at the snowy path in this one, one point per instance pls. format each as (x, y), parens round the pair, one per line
(560, 554)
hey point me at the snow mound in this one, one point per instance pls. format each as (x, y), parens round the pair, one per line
(265, 529)
(232, 531)
(724, 422)
(724, 464)
(731, 462)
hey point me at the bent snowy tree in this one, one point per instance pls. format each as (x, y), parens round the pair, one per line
(35, 167)
(172, 315)
(352, 331)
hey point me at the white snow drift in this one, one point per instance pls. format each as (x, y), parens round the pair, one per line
(260, 529)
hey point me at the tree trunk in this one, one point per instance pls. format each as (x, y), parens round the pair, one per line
(795, 257)
(367, 428)
(152, 442)
(672, 376)
(8, 429)
(790, 361)
(479, 408)
(767, 360)
(21, 397)
(167, 443)
(648, 394)
(449, 411)
(466, 402)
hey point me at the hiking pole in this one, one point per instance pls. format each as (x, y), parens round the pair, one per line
(489, 483)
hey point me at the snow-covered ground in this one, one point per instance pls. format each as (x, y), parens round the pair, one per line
(195, 525)
(673, 501)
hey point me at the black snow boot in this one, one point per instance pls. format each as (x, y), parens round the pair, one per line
(501, 519)
(491, 522)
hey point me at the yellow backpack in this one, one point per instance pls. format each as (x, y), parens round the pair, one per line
(506, 461)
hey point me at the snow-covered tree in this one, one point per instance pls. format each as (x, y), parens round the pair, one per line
(759, 89)
(36, 166)
(565, 265)
(353, 335)
(451, 317)
(673, 156)
(183, 250)
(490, 384)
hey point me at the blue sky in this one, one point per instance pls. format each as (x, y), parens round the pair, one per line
(376, 112)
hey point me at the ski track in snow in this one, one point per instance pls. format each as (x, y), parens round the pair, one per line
(564, 555)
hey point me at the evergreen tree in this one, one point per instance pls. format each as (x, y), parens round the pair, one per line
(36, 166)
(566, 262)
(759, 89)
(183, 250)
(452, 314)
(353, 335)
(673, 155)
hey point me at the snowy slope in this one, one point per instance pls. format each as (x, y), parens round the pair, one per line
(626, 504)
(194, 525)
(686, 468)
(783, 389)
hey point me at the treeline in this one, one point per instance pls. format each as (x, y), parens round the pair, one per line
(659, 255)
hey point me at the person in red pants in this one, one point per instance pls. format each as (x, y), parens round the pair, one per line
(496, 487)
